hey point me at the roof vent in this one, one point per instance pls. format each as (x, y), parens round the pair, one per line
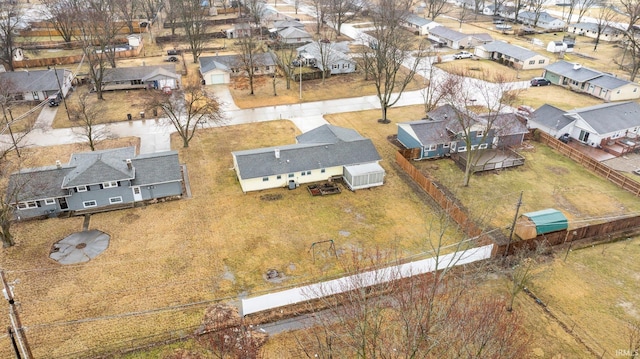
(277, 153)
(129, 164)
(577, 66)
(58, 164)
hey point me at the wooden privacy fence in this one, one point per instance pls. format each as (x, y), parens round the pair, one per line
(66, 60)
(591, 164)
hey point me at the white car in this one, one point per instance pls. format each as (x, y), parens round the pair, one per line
(462, 55)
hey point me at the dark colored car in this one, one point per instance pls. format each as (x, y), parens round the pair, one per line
(173, 52)
(539, 81)
(172, 59)
(53, 102)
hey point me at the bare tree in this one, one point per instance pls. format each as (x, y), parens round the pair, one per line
(11, 15)
(256, 10)
(632, 46)
(536, 6)
(187, 109)
(172, 15)
(463, 14)
(436, 89)
(249, 58)
(127, 9)
(61, 14)
(584, 6)
(632, 9)
(605, 17)
(151, 9)
(389, 52)
(195, 27)
(436, 8)
(86, 114)
(320, 8)
(285, 59)
(341, 11)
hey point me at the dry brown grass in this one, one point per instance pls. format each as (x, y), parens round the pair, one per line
(24, 120)
(556, 96)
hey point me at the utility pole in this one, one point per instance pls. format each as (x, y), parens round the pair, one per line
(513, 225)
(13, 138)
(16, 325)
(64, 99)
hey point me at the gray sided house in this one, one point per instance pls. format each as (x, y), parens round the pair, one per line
(430, 137)
(418, 23)
(220, 69)
(545, 20)
(515, 56)
(294, 35)
(334, 54)
(593, 82)
(94, 182)
(141, 77)
(455, 39)
(590, 29)
(36, 85)
(320, 154)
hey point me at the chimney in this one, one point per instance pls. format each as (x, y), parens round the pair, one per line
(577, 66)
(58, 164)
(129, 165)
(277, 153)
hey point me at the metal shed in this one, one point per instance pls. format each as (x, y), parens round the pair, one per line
(532, 224)
(363, 176)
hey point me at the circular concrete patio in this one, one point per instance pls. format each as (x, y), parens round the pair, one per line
(80, 247)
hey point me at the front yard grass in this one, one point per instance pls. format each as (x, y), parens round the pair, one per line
(557, 96)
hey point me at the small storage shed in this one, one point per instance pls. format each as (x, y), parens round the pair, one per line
(363, 176)
(532, 224)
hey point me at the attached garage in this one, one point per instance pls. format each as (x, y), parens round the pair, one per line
(363, 176)
(216, 79)
(533, 224)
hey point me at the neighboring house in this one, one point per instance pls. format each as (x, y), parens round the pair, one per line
(455, 39)
(441, 134)
(590, 29)
(418, 23)
(560, 47)
(239, 30)
(281, 25)
(293, 35)
(507, 12)
(219, 69)
(516, 56)
(615, 127)
(545, 20)
(141, 77)
(334, 58)
(489, 10)
(36, 85)
(469, 4)
(94, 182)
(319, 155)
(593, 82)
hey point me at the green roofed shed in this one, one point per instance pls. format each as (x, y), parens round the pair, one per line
(532, 224)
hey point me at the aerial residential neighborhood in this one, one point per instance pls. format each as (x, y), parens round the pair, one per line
(319, 178)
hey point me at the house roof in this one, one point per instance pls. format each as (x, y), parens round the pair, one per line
(159, 167)
(137, 72)
(544, 17)
(427, 131)
(281, 25)
(446, 33)
(293, 32)
(610, 117)
(325, 146)
(226, 62)
(573, 71)
(329, 52)
(516, 52)
(99, 166)
(160, 73)
(592, 26)
(417, 20)
(609, 82)
(507, 124)
(37, 183)
(34, 80)
(551, 117)
(483, 36)
(451, 116)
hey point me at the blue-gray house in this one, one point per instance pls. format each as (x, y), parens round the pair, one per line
(94, 182)
(430, 137)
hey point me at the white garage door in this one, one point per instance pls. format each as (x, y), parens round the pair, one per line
(217, 79)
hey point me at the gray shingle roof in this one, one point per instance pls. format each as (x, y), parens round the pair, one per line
(609, 82)
(573, 71)
(551, 117)
(530, 15)
(516, 52)
(417, 20)
(159, 167)
(446, 33)
(37, 183)
(135, 73)
(293, 32)
(33, 80)
(99, 166)
(428, 131)
(226, 62)
(610, 117)
(325, 146)
(451, 117)
(506, 124)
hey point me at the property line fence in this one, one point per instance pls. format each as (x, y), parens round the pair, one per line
(599, 168)
(363, 280)
(67, 60)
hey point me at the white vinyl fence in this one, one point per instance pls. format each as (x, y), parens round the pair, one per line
(366, 279)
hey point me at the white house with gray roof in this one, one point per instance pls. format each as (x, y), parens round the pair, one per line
(318, 155)
(36, 85)
(593, 82)
(94, 182)
(595, 126)
(141, 77)
(455, 39)
(219, 69)
(544, 20)
(515, 56)
(590, 29)
(331, 55)
(418, 23)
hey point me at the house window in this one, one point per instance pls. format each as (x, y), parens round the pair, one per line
(532, 62)
(49, 201)
(618, 92)
(265, 179)
(479, 133)
(290, 175)
(88, 204)
(432, 147)
(27, 205)
(335, 66)
(302, 173)
(446, 145)
(256, 69)
(462, 149)
(114, 200)
(278, 177)
(266, 68)
(136, 82)
(483, 146)
(82, 189)
(110, 184)
(309, 173)
(323, 170)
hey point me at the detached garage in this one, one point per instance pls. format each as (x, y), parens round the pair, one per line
(214, 72)
(363, 176)
(533, 224)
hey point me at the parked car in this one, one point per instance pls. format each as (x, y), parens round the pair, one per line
(53, 102)
(462, 55)
(171, 59)
(540, 81)
(173, 52)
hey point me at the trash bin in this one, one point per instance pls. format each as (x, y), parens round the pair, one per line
(129, 116)
(141, 114)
